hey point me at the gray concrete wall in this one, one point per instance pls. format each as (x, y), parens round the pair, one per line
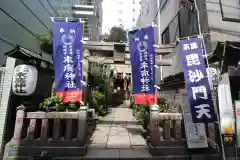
(220, 25)
(169, 10)
(215, 19)
(22, 22)
(4, 100)
(147, 14)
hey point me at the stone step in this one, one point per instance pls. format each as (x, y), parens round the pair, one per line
(176, 149)
(129, 157)
(170, 142)
(126, 157)
(168, 150)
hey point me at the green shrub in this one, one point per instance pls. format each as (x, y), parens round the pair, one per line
(99, 97)
(51, 104)
(97, 79)
(142, 111)
(163, 104)
(55, 104)
(97, 101)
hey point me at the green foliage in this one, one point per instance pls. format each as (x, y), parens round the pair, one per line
(142, 111)
(55, 104)
(97, 79)
(99, 97)
(163, 104)
(161, 100)
(117, 34)
(97, 101)
(46, 42)
(72, 106)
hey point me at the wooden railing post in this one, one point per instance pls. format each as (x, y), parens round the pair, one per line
(154, 124)
(167, 129)
(18, 125)
(68, 130)
(31, 129)
(44, 129)
(56, 129)
(177, 126)
(82, 123)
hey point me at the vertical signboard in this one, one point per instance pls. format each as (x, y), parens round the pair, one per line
(197, 84)
(67, 48)
(237, 109)
(195, 132)
(226, 110)
(142, 64)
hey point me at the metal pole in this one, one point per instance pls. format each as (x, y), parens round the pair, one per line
(205, 54)
(159, 37)
(159, 42)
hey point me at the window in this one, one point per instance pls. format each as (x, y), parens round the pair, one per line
(166, 36)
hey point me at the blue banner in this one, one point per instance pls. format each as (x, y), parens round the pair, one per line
(67, 50)
(142, 62)
(197, 84)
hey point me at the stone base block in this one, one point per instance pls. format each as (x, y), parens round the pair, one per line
(19, 153)
(167, 150)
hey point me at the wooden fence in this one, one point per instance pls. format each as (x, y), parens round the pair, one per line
(170, 138)
(58, 134)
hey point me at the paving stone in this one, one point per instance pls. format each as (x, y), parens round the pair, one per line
(137, 140)
(98, 145)
(124, 125)
(118, 142)
(134, 153)
(109, 119)
(118, 131)
(102, 125)
(140, 147)
(102, 129)
(103, 153)
(97, 138)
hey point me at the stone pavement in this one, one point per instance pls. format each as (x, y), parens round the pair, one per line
(118, 136)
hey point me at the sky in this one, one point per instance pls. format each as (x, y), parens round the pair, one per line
(111, 13)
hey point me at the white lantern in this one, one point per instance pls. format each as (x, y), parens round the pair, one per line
(24, 80)
(124, 75)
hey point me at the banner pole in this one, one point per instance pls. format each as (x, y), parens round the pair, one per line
(82, 25)
(207, 62)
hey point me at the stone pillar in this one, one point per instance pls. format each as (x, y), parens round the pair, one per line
(154, 125)
(18, 125)
(82, 124)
